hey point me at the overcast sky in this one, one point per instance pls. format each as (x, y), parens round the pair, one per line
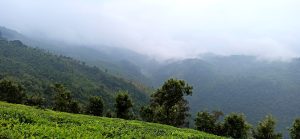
(164, 28)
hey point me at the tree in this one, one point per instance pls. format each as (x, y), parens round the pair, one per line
(11, 92)
(35, 100)
(95, 106)
(295, 129)
(74, 107)
(167, 104)
(109, 114)
(236, 126)
(147, 113)
(123, 105)
(207, 122)
(266, 129)
(63, 100)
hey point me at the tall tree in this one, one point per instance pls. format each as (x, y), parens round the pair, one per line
(167, 104)
(11, 92)
(235, 126)
(266, 129)
(63, 100)
(95, 106)
(295, 129)
(123, 105)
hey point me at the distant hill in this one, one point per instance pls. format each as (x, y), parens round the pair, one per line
(116, 61)
(240, 84)
(36, 69)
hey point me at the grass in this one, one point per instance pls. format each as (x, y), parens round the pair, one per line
(19, 121)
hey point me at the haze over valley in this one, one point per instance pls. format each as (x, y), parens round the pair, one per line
(239, 56)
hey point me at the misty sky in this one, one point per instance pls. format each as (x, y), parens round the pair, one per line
(164, 28)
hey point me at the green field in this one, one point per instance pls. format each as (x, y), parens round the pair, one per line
(19, 121)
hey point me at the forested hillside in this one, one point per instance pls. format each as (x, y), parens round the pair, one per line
(119, 62)
(37, 69)
(240, 84)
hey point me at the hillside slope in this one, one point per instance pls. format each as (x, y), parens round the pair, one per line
(240, 84)
(20, 121)
(119, 62)
(37, 70)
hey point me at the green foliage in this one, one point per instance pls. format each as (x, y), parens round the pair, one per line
(63, 100)
(35, 100)
(95, 106)
(109, 114)
(123, 105)
(208, 122)
(232, 83)
(74, 107)
(19, 121)
(36, 69)
(235, 126)
(295, 129)
(11, 92)
(168, 105)
(147, 113)
(266, 129)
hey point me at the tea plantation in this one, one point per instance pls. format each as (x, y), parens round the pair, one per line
(19, 121)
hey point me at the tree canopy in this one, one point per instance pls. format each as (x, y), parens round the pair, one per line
(167, 104)
(95, 106)
(235, 126)
(11, 92)
(123, 105)
(266, 129)
(295, 129)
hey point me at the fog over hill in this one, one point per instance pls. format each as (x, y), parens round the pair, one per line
(163, 29)
(240, 56)
(236, 83)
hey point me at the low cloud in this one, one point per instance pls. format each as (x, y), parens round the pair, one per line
(164, 28)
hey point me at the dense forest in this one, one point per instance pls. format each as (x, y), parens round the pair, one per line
(38, 69)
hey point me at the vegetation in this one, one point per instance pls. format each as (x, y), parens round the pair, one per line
(63, 100)
(35, 100)
(11, 92)
(167, 104)
(18, 121)
(235, 126)
(52, 81)
(295, 129)
(95, 106)
(266, 129)
(239, 83)
(123, 105)
(208, 122)
(37, 70)
(229, 83)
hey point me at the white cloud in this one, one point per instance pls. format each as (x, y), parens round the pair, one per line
(164, 28)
